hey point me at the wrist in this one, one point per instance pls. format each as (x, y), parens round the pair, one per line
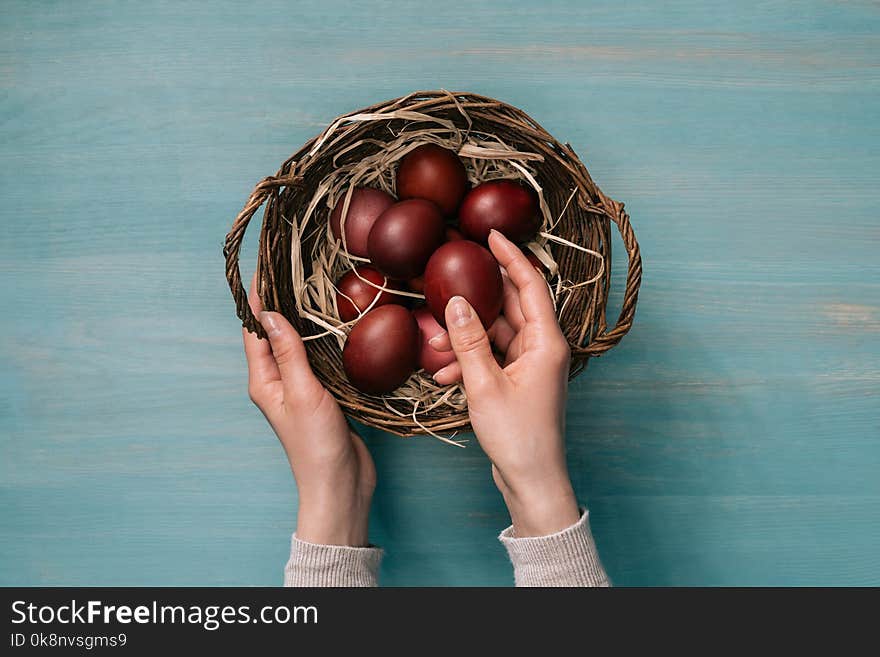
(542, 509)
(333, 521)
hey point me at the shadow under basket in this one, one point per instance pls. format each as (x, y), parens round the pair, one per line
(299, 260)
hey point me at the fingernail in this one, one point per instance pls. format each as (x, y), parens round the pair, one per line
(437, 339)
(269, 322)
(461, 311)
(440, 373)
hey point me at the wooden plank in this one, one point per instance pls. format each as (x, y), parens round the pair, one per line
(732, 438)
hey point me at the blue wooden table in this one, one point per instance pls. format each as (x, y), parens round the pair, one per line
(732, 438)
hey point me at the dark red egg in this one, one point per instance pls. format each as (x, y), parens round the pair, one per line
(464, 268)
(354, 294)
(364, 208)
(434, 173)
(404, 237)
(417, 284)
(508, 206)
(382, 350)
(430, 359)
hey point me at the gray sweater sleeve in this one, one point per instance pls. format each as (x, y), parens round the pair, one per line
(566, 558)
(316, 565)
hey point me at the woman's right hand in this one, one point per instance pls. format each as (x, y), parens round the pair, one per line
(518, 410)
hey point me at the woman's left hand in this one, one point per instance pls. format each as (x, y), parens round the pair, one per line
(334, 471)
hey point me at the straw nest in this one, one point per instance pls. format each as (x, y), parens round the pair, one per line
(299, 260)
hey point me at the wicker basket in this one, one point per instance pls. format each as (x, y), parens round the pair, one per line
(298, 257)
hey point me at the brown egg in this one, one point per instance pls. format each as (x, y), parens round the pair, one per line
(434, 173)
(417, 284)
(464, 268)
(354, 295)
(364, 208)
(508, 206)
(382, 350)
(430, 359)
(404, 237)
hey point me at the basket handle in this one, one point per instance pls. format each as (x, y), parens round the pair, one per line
(607, 339)
(234, 238)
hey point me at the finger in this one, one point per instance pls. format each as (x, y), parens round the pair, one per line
(290, 354)
(262, 368)
(452, 372)
(501, 334)
(471, 346)
(254, 300)
(441, 342)
(534, 297)
(511, 307)
(449, 374)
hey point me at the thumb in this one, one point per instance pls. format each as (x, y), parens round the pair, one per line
(287, 348)
(470, 343)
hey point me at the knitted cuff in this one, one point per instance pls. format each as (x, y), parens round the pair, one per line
(566, 558)
(313, 565)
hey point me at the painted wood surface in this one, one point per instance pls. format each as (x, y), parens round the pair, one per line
(732, 438)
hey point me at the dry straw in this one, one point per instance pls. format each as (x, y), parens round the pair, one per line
(299, 260)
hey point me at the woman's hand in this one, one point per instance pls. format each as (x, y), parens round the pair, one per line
(518, 410)
(333, 469)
